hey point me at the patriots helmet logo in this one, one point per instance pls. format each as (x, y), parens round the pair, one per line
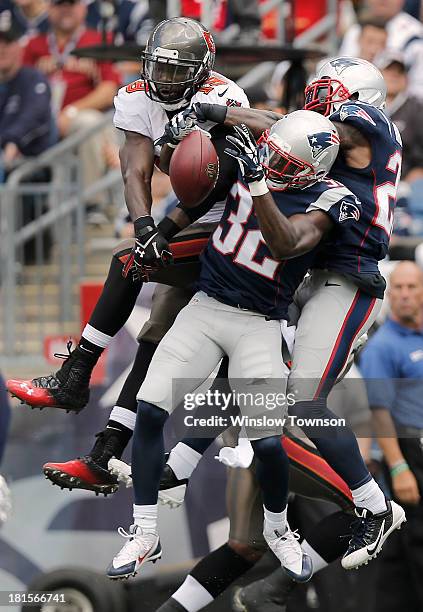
(320, 141)
(341, 63)
(353, 110)
(348, 210)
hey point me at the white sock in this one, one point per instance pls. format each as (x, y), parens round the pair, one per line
(124, 417)
(192, 595)
(146, 518)
(183, 460)
(318, 562)
(370, 496)
(95, 336)
(274, 521)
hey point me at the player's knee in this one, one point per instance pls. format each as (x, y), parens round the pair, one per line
(267, 447)
(247, 551)
(150, 417)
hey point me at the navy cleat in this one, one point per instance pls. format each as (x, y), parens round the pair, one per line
(140, 548)
(370, 532)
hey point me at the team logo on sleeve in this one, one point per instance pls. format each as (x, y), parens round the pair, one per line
(343, 62)
(352, 110)
(320, 141)
(348, 210)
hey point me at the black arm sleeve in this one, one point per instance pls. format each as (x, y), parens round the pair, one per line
(228, 173)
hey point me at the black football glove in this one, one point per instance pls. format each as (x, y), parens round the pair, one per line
(151, 250)
(178, 127)
(245, 152)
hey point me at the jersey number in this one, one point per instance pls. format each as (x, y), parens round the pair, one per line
(386, 193)
(243, 244)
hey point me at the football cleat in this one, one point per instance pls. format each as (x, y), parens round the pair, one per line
(91, 472)
(140, 548)
(172, 490)
(67, 389)
(81, 473)
(286, 547)
(266, 595)
(370, 533)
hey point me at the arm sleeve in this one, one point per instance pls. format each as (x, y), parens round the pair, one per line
(377, 366)
(228, 173)
(130, 112)
(34, 116)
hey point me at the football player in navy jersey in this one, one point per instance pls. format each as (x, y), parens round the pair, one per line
(245, 288)
(341, 298)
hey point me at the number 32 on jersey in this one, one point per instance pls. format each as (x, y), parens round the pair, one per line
(243, 244)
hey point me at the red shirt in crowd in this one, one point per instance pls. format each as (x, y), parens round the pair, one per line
(79, 76)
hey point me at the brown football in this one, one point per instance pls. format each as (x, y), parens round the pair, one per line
(194, 169)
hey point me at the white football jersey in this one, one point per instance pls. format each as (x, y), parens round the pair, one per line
(136, 112)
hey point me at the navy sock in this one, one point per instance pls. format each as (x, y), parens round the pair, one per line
(337, 444)
(148, 453)
(272, 471)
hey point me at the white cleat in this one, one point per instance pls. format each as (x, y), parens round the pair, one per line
(173, 496)
(121, 470)
(296, 563)
(370, 533)
(139, 549)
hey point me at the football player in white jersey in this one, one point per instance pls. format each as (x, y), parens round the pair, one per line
(177, 71)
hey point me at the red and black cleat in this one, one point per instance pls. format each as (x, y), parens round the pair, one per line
(82, 473)
(68, 389)
(91, 472)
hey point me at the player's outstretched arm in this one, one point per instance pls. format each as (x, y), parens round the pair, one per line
(137, 165)
(257, 120)
(151, 250)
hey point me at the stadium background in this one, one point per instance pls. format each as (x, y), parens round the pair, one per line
(58, 226)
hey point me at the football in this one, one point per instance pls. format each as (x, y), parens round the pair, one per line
(194, 169)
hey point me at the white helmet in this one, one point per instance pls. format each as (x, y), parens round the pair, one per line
(298, 150)
(345, 78)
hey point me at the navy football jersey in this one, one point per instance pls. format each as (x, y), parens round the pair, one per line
(358, 250)
(237, 265)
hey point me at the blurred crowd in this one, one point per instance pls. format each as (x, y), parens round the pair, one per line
(47, 92)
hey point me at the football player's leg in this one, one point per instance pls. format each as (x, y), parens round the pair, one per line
(335, 315)
(92, 471)
(246, 545)
(185, 456)
(186, 356)
(258, 375)
(68, 388)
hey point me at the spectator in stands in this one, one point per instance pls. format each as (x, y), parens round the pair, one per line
(82, 88)
(26, 124)
(372, 39)
(405, 33)
(403, 108)
(30, 15)
(394, 358)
